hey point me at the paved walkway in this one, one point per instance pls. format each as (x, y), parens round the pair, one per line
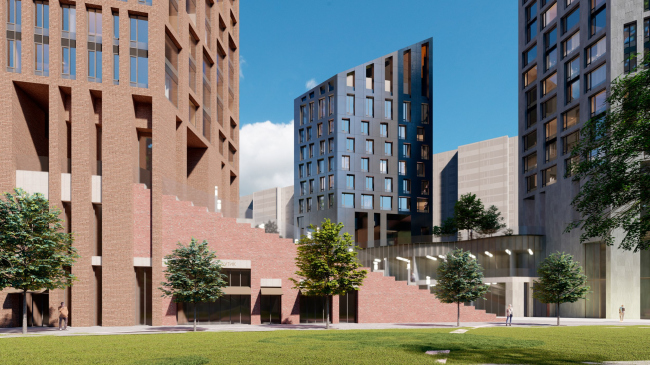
(517, 322)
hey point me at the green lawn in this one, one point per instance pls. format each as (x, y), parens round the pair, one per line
(546, 345)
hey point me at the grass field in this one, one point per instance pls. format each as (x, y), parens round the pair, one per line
(540, 345)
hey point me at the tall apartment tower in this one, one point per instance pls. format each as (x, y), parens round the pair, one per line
(363, 150)
(569, 53)
(103, 100)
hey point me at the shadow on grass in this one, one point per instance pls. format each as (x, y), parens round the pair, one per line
(179, 360)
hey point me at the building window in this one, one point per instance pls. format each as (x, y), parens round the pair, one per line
(14, 35)
(551, 151)
(366, 201)
(401, 132)
(370, 146)
(94, 45)
(388, 185)
(646, 34)
(530, 162)
(330, 126)
(69, 42)
(301, 135)
(319, 130)
(365, 128)
(596, 77)
(321, 166)
(330, 105)
(383, 166)
(349, 182)
(572, 79)
(116, 48)
(309, 170)
(386, 203)
(530, 140)
(309, 134)
(550, 129)
(406, 111)
(349, 80)
(330, 143)
(550, 49)
(303, 114)
(420, 134)
(569, 165)
(301, 206)
(311, 111)
(423, 205)
(308, 205)
(349, 104)
(530, 55)
(420, 169)
(41, 38)
(321, 108)
(425, 114)
(549, 15)
(303, 152)
(301, 170)
(370, 183)
(401, 167)
(370, 107)
(531, 22)
(571, 20)
(424, 187)
(424, 152)
(530, 76)
(349, 144)
(383, 130)
(171, 70)
(549, 107)
(322, 147)
(347, 200)
(388, 148)
(569, 141)
(549, 84)
(331, 200)
(303, 188)
(598, 19)
(404, 204)
(388, 75)
(311, 186)
(331, 182)
(345, 163)
(345, 125)
(321, 202)
(365, 162)
(598, 103)
(406, 150)
(596, 51)
(406, 186)
(323, 184)
(629, 47)
(406, 61)
(531, 107)
(531, 183)
(549, 176)
(388, 109)
(571, 118)
(571, 44)
(139, 54)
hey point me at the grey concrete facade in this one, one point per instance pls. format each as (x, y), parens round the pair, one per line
(486, 168)
(545, 149)
(377, 99)
(275, 204)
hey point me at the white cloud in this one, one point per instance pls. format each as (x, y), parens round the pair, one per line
(311, 84)
(242, 62)
(266, 159)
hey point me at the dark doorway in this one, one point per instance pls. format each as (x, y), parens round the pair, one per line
(143, 295)
(312, 309)
(348, 307)
(229, 309)
(38, 309)
(270, 308)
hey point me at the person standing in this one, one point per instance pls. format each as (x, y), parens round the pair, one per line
(621, 312)
(509, 313)
(63, 317)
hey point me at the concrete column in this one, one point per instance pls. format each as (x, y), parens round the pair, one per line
(515, 296)
(623, 282)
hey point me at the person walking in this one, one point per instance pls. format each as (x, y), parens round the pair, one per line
(621, 312)
(63, 317)
(509, 313)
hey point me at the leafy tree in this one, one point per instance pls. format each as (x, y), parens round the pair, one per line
(491, 221)
(460, 280)
(560, 281)
(193, 275)
(271, 227)
(327, 264)
(468, 212)
(35, 254)
(615, 182)
(448, 228)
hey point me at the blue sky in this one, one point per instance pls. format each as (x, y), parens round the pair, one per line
(284, 44)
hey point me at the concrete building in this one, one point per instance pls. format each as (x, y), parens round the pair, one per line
(153, 113)
(487, 169)
(275, 205)
(569, 52)
(363, 149)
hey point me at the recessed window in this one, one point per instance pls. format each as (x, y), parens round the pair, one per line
(401, 167)
(424, 114)
(571, 20)
(365, 128)
(386, 203)
(309, 205)
(531, 21)
(549, 107)
(383, 130)
(345, 125)
(530, 140)
(349, 80)
(424, 152)
(388, 148)
(530, 162)
(549, 84)
(424, 187)
(629, 47)
(349, 144)
(365, 162)
(530, 76)
(345, 163)
(423, 205)
(388, 185)
(331, 182)
(596, 77)
(406, 111)
(598, 103)
(531, 183)
(596, 51)
(366, 201)
(383, 166)
(421, 169)
(401, 132)
(569, 141)
(404, 203)
(571, 118)
(330, 126)
(531, 107)
(370, 107)
(550, 49)
(309, 169)
(319, 129)
(349, 104)
(321, 202)
(550, 129)
(323, 183)
(330, 104)
(549, 176)
(370, 183)
(388, 109)
(549, 15)
(598, 19)
(347, 200)
(571, 44)
(551, 151)
(349, 182)
(420, 134)
(406, 150)
(530, 55)
(370, 146)
(331, 200)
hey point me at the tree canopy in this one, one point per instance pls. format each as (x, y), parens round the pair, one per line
(327, 263)
(561, 280)
(611, 163)
(35, 253)
(193, 275)
(460, 280)
(470, 215)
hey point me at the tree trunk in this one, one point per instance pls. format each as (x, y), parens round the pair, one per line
(558, 313)
(194, 317)
(458, 314)
(327, 310)
(24, 311)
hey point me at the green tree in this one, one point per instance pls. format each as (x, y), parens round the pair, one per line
(448, 228)
(35, 253)
(609, 163)
(327, 264)
(460, 280)
(271, 227)
(468, 212)
(560, 281)
(193, 275)
(491, 221)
